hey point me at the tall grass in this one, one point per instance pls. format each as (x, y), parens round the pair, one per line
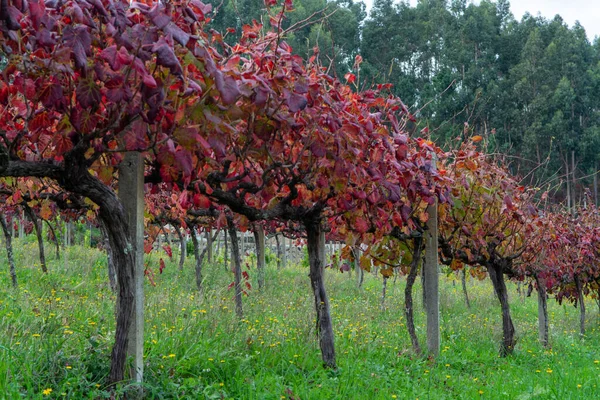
(58, 329)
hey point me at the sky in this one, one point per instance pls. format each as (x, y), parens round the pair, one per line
(587, 12)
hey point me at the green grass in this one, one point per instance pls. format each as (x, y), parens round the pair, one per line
(58, 329)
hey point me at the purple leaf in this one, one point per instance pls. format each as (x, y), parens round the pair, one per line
(165, 56)
(296, 102)
(88, 94)
(228, 88)
(79, 40)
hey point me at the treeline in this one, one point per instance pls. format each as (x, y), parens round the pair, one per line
(531, 88)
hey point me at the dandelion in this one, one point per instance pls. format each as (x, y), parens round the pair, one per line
(578, 386)
(46, 392)
(480, 392)
(221, 384)
(549, 371)
(394, 396)
(36, 335)
(211, 359)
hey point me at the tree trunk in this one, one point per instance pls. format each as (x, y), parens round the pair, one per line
(596, 184)
(180, 236)
(463, 279)
(112, 215)
(383, 292)
(65, 244)
(569, 203)
(38, 233)
(112, 277)
(226, 247)
(581, 301)
(56, 243)
(573, 188)
(408, 298)
(508, 329)
(9, 250)
(197, 258)
(542, 311)
(278, 251)
(237, 266)
(259, 240)
(315, 242)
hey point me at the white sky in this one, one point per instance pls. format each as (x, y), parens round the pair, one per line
(587, 12)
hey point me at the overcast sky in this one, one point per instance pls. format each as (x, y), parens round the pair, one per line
(587, 12)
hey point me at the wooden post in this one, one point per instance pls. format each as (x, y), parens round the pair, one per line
(21, 227)
(131, 194)
(209, 244)
(431, 279)
(284, 259)
(259, 239)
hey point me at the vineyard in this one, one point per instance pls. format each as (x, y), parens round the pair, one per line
(197, 348)
(144, 127)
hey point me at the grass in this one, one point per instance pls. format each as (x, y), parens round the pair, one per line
(58, 329)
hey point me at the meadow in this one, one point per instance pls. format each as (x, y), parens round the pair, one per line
(57, 330)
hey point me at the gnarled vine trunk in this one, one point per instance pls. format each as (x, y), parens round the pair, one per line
(408, 298)
(112, 275)
(542, 311)
(226, 247)
(237, 266)
(111, 213)
(197, 258)
(581, 301)
(383, 292)
(463, 279)
(38, 233)
(9, 250)
(56, 243)
(182, 247)
(315, 244)
(508, 329)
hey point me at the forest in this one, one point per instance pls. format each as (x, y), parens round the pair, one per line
(530, 87)
(211, 156)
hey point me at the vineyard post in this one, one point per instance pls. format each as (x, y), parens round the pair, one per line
(431, 278)
(131, 193)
